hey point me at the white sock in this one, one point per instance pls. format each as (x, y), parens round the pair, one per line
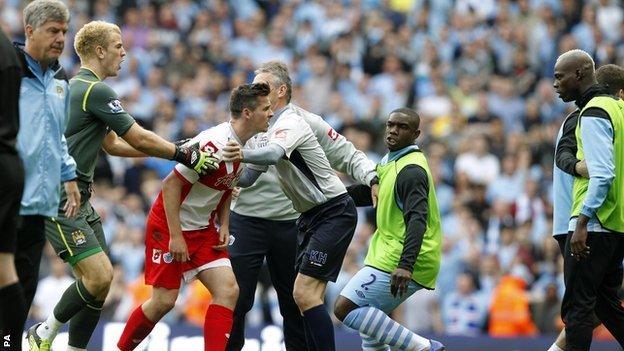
(48, 329)
(554, 347)
(428, 347)
(71, 348)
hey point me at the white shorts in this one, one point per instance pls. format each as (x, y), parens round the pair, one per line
(371, 287)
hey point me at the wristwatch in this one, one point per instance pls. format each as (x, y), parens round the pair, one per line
(374, 181)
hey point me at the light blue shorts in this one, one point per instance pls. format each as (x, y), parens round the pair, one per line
(371, 287)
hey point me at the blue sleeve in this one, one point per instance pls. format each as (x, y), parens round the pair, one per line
(248, 177)
(598, 148)
(68, 167)
(268, 155)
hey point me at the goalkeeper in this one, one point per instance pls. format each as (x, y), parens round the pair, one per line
(97, 120)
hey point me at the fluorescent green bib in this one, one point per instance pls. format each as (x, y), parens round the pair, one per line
(386, 246)
(611, 213)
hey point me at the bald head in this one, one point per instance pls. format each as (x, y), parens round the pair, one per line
(577, 58)
(574, 74)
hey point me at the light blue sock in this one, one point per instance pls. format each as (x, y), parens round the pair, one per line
(370, 344)
(378, 326)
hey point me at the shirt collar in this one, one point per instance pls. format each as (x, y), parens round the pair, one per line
(90, 71)
(34, 64)
(395, 155)
(233, 133)
(278, 113)
(594, 90)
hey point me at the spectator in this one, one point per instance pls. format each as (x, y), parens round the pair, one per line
(509, 311)
(478, 163)
(464, 310)
(50, 289)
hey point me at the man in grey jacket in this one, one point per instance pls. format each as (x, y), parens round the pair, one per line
(263, 220)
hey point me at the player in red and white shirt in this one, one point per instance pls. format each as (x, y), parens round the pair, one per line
(187, 232)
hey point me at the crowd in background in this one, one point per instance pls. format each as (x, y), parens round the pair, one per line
(479, 72)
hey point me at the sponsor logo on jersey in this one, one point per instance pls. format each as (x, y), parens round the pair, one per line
(115, 106)
(156, 255)
(78, 237)
(60, 91)
(229, 180)
(317, 258)
(168, 257)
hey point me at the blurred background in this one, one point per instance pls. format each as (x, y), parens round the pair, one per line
(479, 72)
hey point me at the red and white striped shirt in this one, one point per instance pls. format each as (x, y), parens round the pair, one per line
(202, 197)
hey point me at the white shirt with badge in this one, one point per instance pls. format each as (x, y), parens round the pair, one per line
(305, 174)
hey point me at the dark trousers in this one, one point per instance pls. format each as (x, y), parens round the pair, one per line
(30, 242)
(592, 285)
(257, 239)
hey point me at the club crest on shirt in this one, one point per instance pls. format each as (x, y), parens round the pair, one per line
(333, 135)
(60, 91)
(115, 106)
(168, 257)
(78, 237)
(280, 134)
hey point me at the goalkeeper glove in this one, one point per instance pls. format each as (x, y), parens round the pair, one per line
(195, 159)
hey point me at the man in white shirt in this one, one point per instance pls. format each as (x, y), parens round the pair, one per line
(328, 214)
(263, 219)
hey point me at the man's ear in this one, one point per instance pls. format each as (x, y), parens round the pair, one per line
(246, 113)
(29, 30)
(416, 134)
(281, 91)
(99, 52)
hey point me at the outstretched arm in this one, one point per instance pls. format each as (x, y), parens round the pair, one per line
(103, 103)
(264, 156)
(116, 146)
(151, 144)
(341, 153)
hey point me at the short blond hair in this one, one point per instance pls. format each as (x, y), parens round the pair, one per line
(92, 35)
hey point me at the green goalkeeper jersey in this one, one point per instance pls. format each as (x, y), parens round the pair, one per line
(94, 110)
